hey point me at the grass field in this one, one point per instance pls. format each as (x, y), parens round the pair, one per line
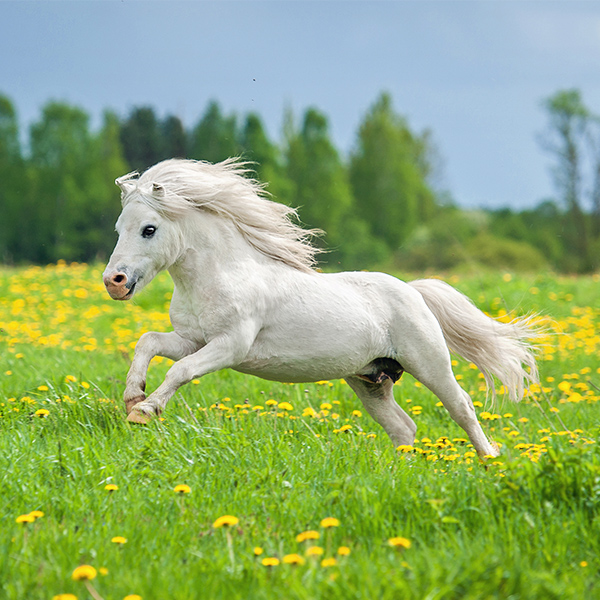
(423, 522)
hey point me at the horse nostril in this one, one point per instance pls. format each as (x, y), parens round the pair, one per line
(119, 278)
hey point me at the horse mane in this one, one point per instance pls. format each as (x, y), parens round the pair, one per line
(175, 186)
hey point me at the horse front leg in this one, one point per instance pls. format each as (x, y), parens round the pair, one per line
(218, 354)
(151, 344)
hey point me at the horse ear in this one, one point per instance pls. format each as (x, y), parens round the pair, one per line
(158, 190)
(125, 182)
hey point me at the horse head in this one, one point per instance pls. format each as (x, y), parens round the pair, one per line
(148, 239)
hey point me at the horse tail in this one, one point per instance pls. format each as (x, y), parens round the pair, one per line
(501, 350)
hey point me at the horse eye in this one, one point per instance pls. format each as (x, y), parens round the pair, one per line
(148, 231)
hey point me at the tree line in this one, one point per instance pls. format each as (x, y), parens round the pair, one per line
(381, 206)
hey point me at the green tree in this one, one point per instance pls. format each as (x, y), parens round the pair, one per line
(321, 192)
(15, 183)
(388, 172)
(142, 139)
(215, 137)
(61, 148)
(265, 157)
(565, 140)
(173, 138)
(76, 201)
(542, 227)
(93, 234)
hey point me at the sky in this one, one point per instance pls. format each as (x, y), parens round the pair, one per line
(473, 72)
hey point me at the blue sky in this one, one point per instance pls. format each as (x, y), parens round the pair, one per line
(475, 72)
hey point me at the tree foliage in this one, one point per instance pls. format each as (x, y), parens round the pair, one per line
(572, 140)
(380, 206)
(388, 171)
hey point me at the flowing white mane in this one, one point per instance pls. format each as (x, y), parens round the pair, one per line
(175, 186)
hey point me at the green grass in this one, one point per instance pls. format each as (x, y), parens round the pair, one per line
(524, 526)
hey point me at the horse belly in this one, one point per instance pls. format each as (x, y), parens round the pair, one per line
(275, 370)
(318, 352)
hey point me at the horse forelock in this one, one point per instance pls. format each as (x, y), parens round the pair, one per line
(174, 187)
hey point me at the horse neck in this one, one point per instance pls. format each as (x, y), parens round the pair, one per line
(213, 247)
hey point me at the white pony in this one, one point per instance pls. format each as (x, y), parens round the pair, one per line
(247, 297)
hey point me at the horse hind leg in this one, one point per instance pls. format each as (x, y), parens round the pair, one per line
(438, 378)
(378, 400)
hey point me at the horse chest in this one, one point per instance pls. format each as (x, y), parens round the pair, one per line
(189, 321)
(199, 321)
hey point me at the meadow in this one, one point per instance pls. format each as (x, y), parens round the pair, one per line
(251, 489)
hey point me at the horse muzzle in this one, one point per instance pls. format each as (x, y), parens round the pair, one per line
(119, 286)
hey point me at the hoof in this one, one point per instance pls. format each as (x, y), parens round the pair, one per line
(136, 416)
(129, 404)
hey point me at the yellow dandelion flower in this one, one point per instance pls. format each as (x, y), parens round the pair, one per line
(182, 489)
(84, 573)
(257, 551)
(330, 522)
(356, 413)
(111, 487)
(103, 571)
(119, 539)
(285, 406)
(271, 402)
(43, 388)
(70, 378)
(314, 551)
(64, 597)
(343, 551)
(293, 559)
(400, 542)
(132, 597)
(25, 518)
(226, 521)
(328, 562)
(42, 412)
(308, 535)
(583, 563)
(36, 514)
(270, 561)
